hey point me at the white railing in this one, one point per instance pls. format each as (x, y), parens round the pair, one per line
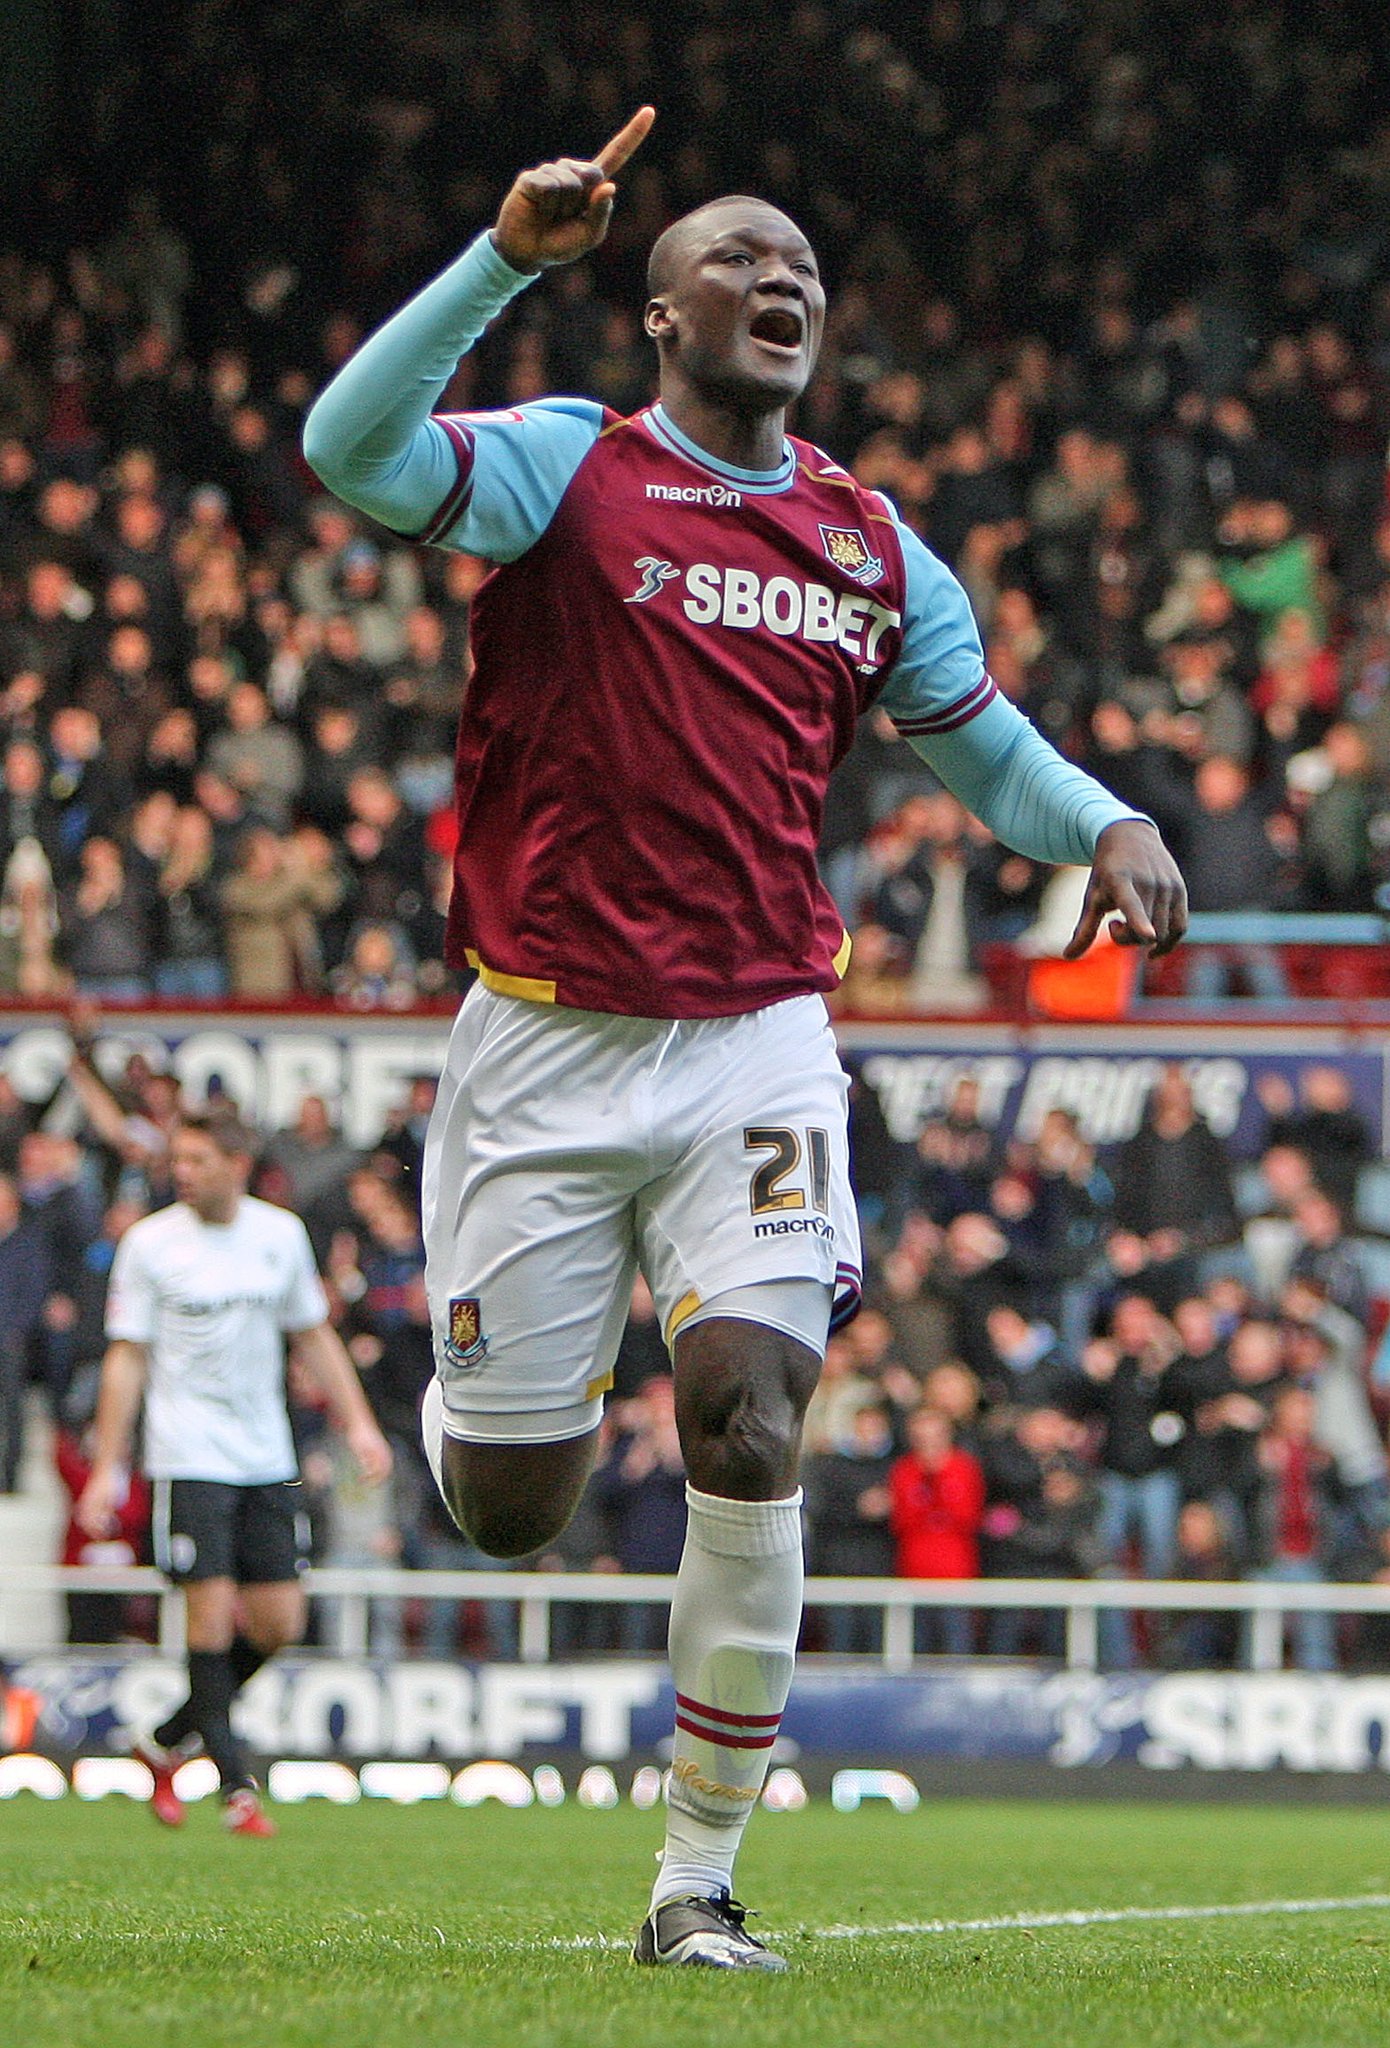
(535, 1593)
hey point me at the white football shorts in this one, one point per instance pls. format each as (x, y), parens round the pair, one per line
(568, 1147)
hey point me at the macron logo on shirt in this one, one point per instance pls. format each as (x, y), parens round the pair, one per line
(697, 494)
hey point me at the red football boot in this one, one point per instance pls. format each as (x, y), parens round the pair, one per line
(165, 1804)
(243, 1814)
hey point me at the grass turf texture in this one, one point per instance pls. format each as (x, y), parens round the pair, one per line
(378, 1927)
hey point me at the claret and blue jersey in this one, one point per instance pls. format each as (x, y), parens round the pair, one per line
(670, 658)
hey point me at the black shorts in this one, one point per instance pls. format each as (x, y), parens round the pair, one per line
(209, 1529)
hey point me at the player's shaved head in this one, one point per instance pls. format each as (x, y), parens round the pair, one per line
(673, 247)
(736, 308)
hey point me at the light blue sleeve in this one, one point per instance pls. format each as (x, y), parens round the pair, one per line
(523, 463)
(984, 750)
(488, 482)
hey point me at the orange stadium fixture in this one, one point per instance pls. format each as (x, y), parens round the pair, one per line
(1098, 987)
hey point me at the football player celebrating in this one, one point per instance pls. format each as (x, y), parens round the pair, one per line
(688, 613)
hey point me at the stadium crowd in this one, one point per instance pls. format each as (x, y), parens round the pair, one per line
(1111, 323)
(1153, 1362)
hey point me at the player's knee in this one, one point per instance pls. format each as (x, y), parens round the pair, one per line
(503, 1528)
(741, 1393)
(270, 1637)
(752, 1444)
(502, 1525)
(511, 1499)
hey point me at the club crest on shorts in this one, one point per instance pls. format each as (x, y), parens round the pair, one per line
(465, 1345)
(847, 548)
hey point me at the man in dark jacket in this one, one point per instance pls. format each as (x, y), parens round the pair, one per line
(1040, 1519)
(847, 1505)
(642, 1489)
(1231, 864)
(1126, 1388)
(1173, 1190)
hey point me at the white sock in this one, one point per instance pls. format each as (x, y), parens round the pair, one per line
(734, 1623)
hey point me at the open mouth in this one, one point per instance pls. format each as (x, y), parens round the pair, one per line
(777, 328)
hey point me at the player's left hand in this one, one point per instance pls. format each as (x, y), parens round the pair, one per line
(1134, 875)
(372, 1452)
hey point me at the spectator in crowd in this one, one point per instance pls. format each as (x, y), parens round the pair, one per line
(848, 1504)
(29, 925)
(1231, 854)
(388, 1318)
(1324, 1257)
(189, 962)
(1325, 1352)
(937, 1496)
(1292, 1520)
(28, 812)
(1173, 1193)
(641, 1491)
(311, 1159)
(1204, 1553)
(106, 931)
(957, 1154)
(270, 903)
(402, 1142)
(1322, 1122)
(377, 973)
(1028, 1368)
(258, 756)
(1126, 1387)
(1075, 1199)
(1040, 1521)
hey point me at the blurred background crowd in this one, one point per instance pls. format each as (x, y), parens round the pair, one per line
(1110, 321)
(1159, 1362)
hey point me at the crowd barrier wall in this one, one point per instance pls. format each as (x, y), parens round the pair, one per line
(896, 1713)
(268, 1060)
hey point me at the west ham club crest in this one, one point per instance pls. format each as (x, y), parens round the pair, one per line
(847, 548)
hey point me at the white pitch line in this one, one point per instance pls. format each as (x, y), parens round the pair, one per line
(1097, 1916)
(1105, 1916)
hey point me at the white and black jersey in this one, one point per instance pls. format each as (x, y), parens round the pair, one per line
(212, 1303)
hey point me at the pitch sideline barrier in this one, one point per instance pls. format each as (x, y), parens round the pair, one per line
(535, 1593)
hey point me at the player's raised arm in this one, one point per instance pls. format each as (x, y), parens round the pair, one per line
(369, 435)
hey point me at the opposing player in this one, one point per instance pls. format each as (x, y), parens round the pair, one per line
(202, 1297)
(689, 613)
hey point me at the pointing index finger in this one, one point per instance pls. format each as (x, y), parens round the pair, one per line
(615, 154)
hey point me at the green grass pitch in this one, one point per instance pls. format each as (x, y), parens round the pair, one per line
(430, 1927)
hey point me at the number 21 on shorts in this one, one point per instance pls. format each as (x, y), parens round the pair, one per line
(768, 1192)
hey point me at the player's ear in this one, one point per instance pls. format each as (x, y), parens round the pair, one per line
(657, 319)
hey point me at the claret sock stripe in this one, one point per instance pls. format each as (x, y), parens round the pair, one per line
(761, 1728)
